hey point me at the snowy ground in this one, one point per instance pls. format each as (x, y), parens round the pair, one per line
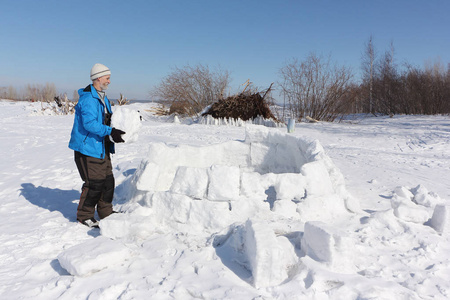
(189, 242)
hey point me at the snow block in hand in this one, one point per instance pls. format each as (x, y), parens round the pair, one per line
(440, 220)
(127, 120)
(93, 256)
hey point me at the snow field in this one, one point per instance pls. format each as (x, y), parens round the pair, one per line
(278, 223)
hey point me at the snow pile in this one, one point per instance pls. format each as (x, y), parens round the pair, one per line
(414, 205)
(127, 120)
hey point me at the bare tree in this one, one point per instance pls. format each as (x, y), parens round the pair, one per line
(75, 96)
(8, 93)
(48, 92)
(368, 67)
(38, 92)
(388, 85)
(315, 88)
(191, 89)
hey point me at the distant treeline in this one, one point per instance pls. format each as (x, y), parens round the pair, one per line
(316, 88)
(388, 89)
(33, 92)
(312, 87)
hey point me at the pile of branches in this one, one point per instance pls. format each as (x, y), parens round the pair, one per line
(160, 110)
(122, 100)
(63, 105)
(245, 106)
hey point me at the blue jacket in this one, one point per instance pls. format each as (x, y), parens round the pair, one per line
(89, 129)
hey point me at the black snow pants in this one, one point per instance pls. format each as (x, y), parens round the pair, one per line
(98, 186)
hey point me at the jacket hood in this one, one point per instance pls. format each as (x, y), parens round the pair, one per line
(85, 90)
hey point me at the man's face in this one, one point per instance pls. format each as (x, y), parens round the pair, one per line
(104, 82)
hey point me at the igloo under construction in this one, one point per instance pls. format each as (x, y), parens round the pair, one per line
(259, 204)
(271, 173)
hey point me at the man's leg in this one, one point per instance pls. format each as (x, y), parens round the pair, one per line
(104, 206)
(92, 171)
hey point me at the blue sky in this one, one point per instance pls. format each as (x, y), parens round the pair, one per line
(143, 41)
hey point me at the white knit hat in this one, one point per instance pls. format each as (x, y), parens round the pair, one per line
(99, 70)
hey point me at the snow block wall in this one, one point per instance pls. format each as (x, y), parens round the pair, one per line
(269, 171)
(269, 179)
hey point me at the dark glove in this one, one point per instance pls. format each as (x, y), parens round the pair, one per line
(116, 135)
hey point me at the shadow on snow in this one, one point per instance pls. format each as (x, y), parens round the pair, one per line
(52, 199)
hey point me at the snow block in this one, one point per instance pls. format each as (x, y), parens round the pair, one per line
(440, 220)
(325, 244)
(285, 208)
(318, 179)
(209, 215)
(261, 157)
(425, 198)
(318, 242)
(253, 185)
(290, 186)
(146, 176)
(135, 225)
(93, 256)
(176, 211)
(192, 182)
(405, 209)
(269, 256)
(256, 134)
(127, 120)
(410, 213)
(403, 192)
(173, 207)
(224, 183)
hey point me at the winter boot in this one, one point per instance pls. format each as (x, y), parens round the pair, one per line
(91, 223)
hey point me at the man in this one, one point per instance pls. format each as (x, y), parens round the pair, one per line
(90, 139)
